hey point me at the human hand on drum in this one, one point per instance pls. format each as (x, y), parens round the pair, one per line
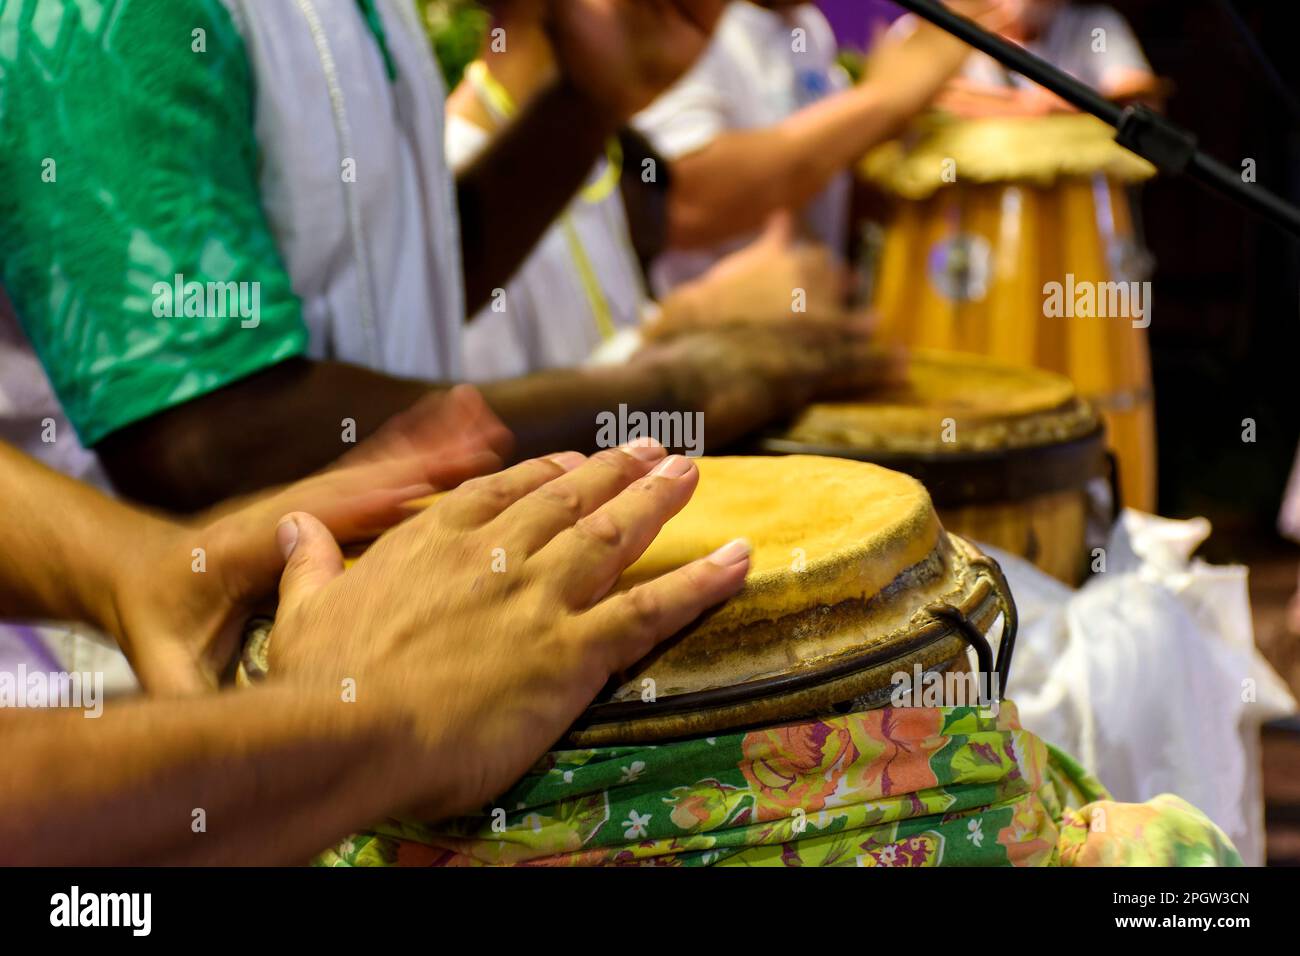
(1015, 20)
(453, 432)
(777, 277)
(183, 592)
(487, 624)
(971, 100)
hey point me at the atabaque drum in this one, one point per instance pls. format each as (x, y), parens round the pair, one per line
(1015, 238)
(853, 582)
(1010, 455)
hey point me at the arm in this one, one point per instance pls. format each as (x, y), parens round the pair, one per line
(278, 773)
(67, 552)
(738, 378)
(734, 183)
(196, 454)
(271, 427)
(504, 213)
(51, 523)
(463, 676)
(175, 596)
(1123, 72)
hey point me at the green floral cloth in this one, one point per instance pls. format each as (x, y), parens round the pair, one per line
(889, 787)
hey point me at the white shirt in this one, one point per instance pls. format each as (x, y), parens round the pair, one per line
(376, 261)
(755, 73)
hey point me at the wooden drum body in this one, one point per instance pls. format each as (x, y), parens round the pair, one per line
(1006, 453)
(969, 255)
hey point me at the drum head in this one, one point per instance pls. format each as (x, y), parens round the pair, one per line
(970, 429)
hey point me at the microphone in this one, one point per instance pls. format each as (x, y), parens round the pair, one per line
(1139, 129)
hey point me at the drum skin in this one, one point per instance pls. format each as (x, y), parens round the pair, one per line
(964, 266)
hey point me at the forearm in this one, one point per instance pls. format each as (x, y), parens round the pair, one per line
(1133, 85)
(61, 542)
(288, 421)
(733, 184)
(503, 211)
(270, 428)
(277, 775)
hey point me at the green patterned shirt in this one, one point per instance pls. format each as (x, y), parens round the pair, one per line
(128, 171)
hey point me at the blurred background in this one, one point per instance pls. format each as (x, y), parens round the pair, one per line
(1226, 324)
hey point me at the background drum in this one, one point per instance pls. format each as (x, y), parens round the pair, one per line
(988, 212)
(1006, 453)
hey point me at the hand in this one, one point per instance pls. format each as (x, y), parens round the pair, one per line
(454, 431)
(184, 594)
(622, 54)
(975, 101)
(447, 435)
(758, 284)
(744, 377)
(487, 622)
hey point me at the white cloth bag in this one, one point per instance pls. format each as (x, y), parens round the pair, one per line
(1149, 673)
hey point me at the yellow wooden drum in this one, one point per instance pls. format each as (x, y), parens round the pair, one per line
(1007, 453)
(993, 217)
(853, 582)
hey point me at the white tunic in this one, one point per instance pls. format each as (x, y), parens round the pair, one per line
(1092, 43)
(375, 261)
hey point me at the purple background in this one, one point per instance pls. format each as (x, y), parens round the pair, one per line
(855, 21)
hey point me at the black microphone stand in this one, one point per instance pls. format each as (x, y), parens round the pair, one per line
(1169, 147)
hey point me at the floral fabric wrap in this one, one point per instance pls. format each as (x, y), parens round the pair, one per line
(938, 786)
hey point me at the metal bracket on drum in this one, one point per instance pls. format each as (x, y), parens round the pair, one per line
(975, 637)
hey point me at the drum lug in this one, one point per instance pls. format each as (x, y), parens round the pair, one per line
(988, 669)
